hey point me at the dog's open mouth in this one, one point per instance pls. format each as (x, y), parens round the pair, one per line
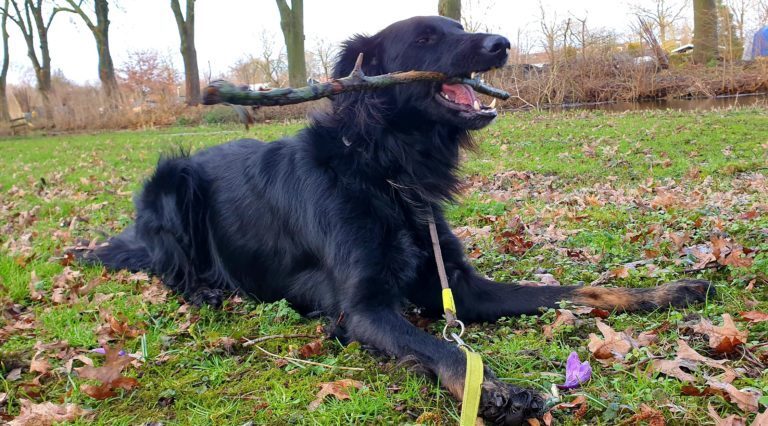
(462, 98)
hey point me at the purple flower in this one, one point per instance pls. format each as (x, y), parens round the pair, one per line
(576, 372)
(104, 352)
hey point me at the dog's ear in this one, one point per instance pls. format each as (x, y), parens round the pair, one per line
(353, 47)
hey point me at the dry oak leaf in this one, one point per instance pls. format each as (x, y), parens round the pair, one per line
(761, 419)
(647, 414)
(732, 420)
(690, 359)
(754, 316)
(41, 366)
(615, 345)
(562, 317)
(723, 339)
(337, 389)
(311, 349)
(156, 293)
(746, 399)
(109, 374)
(46, 413)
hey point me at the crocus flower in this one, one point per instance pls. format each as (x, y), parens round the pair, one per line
(104, 352)
(576, 372)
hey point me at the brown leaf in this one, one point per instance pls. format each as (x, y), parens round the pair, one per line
(689, 359)
(723, 339)
(337, 389)
(732, 420)
(156, 293)
(745, 399)
(311, 349)
(109, 374)
(41, 366)
(620, 272)
(761, 419)
(34, 287)
(562, 317)
(754, 316)
(615, 345)
(46, 413)
(647, 414)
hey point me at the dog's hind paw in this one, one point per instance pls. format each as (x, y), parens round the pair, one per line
(213, 297)
(503, 404)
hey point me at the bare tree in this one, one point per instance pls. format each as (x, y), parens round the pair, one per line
(186, 25)
(325, 52)
(100, 31)
(704, 31)
(739, 11)
(5, 115)
(662, 15)
(475, 16)
(450, 9)
(292, 24)
(33, 22)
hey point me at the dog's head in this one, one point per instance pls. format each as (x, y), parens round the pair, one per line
(426, 43)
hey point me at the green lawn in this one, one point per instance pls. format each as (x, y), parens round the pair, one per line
(594, 190)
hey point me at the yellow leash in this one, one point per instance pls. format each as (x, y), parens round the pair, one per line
(473, 378)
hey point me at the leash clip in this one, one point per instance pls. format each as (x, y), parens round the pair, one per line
(456, 338)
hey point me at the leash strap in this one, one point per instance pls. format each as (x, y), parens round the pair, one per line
(473, 377)
(473, 380)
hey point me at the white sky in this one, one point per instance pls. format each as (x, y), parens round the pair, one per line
(229, 29)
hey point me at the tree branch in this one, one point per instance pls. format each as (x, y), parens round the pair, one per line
(76, 8)
(225, 92)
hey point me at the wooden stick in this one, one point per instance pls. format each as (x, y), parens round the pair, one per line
(222, 91)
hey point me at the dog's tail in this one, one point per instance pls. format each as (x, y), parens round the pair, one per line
(124, 251)
(170, 238)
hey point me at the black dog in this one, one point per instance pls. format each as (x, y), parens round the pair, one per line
(333, 219)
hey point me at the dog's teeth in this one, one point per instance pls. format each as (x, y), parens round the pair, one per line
(492, 104)
(473, 75)
(476, 105)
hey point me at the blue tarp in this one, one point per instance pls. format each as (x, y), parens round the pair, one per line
(760, 43)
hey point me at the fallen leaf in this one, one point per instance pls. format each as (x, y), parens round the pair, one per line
(337, 389)
(754, 316)
(615, 346)
(649, 415)
(46, 413)
(562, 317)
(761, 419)
(723, 339)
(690, 359)
(35, 285)
(156, 293)
(746, 399)
(311, 349)
(109, 374)
(41, 365)
(732, 420)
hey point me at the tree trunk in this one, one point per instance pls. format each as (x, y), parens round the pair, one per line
(450, 9)
(100, 31)
(5, 115)
(186, 28)
(292, 24)
(704, 31)
(106, 67)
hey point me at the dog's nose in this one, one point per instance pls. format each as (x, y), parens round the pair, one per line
(494, 44)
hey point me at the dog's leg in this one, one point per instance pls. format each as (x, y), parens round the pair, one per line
(388, 331)
(480, 299)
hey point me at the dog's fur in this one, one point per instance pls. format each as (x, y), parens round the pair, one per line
(334, 218)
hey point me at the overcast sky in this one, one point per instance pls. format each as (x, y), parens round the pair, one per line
(230, 29)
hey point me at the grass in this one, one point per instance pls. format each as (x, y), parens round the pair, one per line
(586, 185)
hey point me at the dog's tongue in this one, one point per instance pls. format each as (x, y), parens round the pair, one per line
(460, 93)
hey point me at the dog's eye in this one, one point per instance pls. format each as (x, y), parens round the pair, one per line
(423, 40)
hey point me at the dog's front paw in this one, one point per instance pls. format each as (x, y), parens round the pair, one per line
(684, 292)
(503, 404)
(213, 297)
